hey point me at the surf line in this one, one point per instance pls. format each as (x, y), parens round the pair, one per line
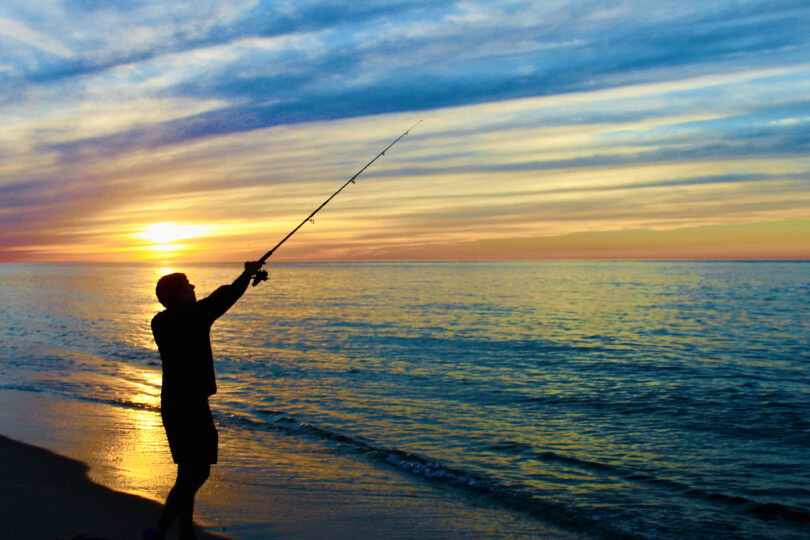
(262, 274)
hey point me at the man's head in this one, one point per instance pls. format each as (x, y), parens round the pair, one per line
(174, 290)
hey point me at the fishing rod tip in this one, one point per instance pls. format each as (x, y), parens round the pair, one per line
(413, 126)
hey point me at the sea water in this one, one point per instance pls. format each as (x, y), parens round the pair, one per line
(646, 399)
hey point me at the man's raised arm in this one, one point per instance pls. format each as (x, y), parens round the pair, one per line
(219, 301)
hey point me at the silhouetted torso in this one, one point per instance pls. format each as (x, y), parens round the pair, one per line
(182, 335)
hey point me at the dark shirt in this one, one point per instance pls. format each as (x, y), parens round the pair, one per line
(183, 338)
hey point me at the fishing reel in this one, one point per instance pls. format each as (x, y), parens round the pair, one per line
(260, 276)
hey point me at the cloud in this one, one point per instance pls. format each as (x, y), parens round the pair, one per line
(467, 53)
(541, 118)
(19, 32)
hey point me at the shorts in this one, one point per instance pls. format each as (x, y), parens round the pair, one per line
(190, 429)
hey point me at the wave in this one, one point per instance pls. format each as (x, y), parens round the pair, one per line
(480, 486)
(494, 491)
(69, 391)
(433, 471)
(768, 511)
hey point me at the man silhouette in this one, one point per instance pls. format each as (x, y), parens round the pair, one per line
(182, 334)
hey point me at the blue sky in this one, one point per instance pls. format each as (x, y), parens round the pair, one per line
(541, 120)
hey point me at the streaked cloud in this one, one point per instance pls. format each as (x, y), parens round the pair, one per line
(541, 120)
(16, 31)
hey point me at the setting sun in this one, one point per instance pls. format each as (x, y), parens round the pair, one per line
(167, 232)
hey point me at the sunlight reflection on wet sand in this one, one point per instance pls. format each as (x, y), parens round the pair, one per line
(308, 492)
(126, 447)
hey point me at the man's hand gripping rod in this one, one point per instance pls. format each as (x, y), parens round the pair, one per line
(261, 275)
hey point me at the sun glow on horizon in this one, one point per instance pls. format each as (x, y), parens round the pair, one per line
(168, 232)
(163, 237)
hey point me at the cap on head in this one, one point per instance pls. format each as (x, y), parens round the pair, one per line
(169, 287)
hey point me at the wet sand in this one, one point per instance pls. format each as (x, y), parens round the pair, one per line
(48, 496)
(119, 472)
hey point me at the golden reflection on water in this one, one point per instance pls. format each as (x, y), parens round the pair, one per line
(145, 387)
(142, 304)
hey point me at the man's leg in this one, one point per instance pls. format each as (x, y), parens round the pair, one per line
(180, 502)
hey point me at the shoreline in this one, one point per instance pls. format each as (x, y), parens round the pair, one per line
(117, 457)
(48, 496)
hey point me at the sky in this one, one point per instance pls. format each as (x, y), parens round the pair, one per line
(207, 130)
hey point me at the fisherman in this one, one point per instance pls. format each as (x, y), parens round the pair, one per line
(182, 334)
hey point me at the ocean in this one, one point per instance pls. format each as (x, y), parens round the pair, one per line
(610, 398)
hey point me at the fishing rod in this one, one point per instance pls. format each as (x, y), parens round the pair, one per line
(261, 275)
